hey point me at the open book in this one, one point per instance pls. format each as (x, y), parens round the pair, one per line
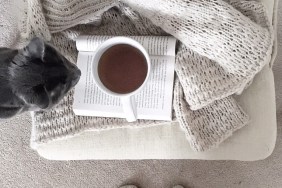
(154, 102)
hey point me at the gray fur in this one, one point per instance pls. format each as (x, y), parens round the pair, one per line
(34, 78)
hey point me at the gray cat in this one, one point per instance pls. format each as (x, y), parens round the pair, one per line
(34, 78)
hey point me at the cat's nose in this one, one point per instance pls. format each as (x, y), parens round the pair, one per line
(77, 74)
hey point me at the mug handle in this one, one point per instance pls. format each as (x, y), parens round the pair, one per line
(129, 108)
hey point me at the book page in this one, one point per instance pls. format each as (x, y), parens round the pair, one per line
(153, 102)
(155, 45)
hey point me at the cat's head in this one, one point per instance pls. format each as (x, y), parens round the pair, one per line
(41, 76)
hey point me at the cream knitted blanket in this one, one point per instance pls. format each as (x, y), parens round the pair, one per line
(223, 44)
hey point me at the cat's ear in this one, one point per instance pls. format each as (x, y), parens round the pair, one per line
(35, 48)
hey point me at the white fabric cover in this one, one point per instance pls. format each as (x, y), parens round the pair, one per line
(253, 142)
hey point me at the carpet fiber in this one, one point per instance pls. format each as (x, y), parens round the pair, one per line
(20, 166)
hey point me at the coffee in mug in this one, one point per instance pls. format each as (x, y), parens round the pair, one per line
(122, 68)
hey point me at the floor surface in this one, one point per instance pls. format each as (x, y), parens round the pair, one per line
(20, 166)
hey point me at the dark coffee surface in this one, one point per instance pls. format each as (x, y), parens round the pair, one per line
(122, 68)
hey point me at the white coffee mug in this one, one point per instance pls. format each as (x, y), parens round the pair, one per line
(127, 100)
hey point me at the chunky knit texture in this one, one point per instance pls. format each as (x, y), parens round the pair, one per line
(222, 45)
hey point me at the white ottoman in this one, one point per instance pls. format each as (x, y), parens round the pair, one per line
(253, 142)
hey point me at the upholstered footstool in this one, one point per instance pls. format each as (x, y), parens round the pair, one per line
(253, 142)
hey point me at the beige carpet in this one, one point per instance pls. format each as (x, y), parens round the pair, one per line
(22, 167)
